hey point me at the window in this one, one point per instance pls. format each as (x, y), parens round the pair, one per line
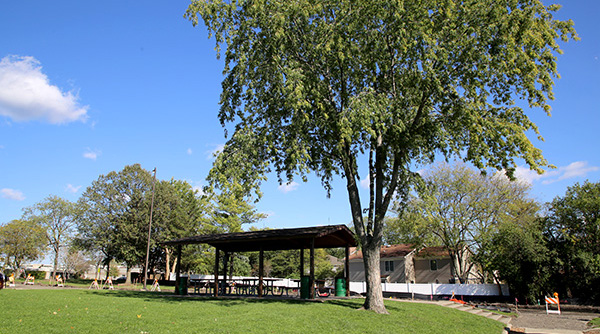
(433, 265)
(389, 265)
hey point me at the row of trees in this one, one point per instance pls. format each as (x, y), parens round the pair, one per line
(493, 224)
(110, 221)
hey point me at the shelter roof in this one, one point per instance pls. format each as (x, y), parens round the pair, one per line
(330, 236)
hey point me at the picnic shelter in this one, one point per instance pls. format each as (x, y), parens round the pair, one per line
(311, 238)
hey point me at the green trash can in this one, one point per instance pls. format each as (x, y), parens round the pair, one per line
(183, 285)
(304, 287)
(340, 287)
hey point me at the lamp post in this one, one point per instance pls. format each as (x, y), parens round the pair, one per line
(149, 230)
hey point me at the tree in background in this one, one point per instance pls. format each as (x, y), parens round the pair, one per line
(57, 217)
(463, 210)
(76, 262)
(115, 213)
(21, 240)
(572, 227)
(186, 214)
(112, 203)
(517, 254)
(317, 86)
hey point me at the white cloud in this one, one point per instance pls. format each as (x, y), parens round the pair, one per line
(365, 183)
(216, 150)
(91, 154)
(573, 170)
(527, 175)
(26, 94)
(71, 188)
(12, 194)
(200, 190)
(189, 151)
(286, 188)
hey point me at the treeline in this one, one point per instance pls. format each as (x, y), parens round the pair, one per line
(109, 224)
(492, 227)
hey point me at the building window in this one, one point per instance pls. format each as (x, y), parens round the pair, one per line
(389, 265)
(433, 265)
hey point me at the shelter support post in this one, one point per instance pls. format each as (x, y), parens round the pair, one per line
(225, 261)
(261, 268)
(347, 271)
(311, 280)
(301, 262)
(216, 272)
(177, 271)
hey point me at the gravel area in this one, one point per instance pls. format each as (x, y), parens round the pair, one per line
(566, 320)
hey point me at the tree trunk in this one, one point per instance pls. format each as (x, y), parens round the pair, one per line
(174, 266)
(167, 267)
(370, 237)
(55, 266)
(374, 298)
(128, 275)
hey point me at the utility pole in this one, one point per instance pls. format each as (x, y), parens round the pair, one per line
(149, 230)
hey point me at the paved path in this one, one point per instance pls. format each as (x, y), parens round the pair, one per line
(532, 321)
(537, 321)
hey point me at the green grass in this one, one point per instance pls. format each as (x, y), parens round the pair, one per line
(594, 323)
(94, 311)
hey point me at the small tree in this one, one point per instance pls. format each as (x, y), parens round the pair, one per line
(21, 240)
(57, 218)
(572, 227)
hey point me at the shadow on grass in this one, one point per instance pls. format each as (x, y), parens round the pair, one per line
(357, 304)
(167, 297)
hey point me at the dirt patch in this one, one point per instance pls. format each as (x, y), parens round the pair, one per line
(566, 320)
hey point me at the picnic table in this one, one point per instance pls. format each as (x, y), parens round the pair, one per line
(246, 286)
(249, 286)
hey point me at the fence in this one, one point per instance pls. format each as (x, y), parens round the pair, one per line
(436, 289)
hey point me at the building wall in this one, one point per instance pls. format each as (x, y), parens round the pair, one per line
(424, 274)
(357, 270)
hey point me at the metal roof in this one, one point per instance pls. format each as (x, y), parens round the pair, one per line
(331, 236)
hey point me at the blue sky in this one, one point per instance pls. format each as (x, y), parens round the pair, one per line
(87, 87)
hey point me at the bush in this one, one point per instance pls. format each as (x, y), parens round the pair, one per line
(37, 274)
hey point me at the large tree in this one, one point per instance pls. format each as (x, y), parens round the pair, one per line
(21, 240)
(319, 85)
(108, 207)
(57, 217)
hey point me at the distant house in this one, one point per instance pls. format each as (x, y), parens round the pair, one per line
(404, 263)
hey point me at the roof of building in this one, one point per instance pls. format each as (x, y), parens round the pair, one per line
(402, 250)
(387, 251)
(438, 251)
(331, 236)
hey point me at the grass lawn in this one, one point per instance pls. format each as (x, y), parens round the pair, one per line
(595, 323)
(94, 311)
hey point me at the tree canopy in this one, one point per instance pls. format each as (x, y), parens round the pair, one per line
(21, 240)
(314, 86)
(573, 231)
(56, 216)
(115, 212)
